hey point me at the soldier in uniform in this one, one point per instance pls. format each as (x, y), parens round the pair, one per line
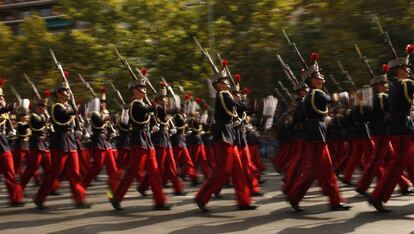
(122, 143)
(21, 151)
(39, 148)
(228, 161)
(362, 143)
(180, 150)
(101, 147)
(296, 161)
(379, 125)
(196, 145)
(317, 164)
(63, 149)
(400, 101)
(142, 150)
(6, 158)
(163, 148)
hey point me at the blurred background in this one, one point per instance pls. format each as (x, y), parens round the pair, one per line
(158, 34)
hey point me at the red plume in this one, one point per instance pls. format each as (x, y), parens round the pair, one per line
(66, 74)
(385, 68)
(163, 84)
(144, 71)
(30, 105)
(315, 56)
(247, 90)
(47, 93)
(199, 100)
(2, 82)
(205, 106)
(237, 78)
(409, 49)
(224, 62)
(187, 96)
(103, 89)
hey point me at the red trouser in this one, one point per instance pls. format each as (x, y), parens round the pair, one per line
(67, 162)
(256, 159)
(122, 159)
(344, 157)
(318, 166)
(102, 157)
(36, 159)
(142, 160)
(402, 159)
(199, 157)
(228, 164)
(84, 161)
(282, 156)
(7, 169)
(167, 168)
(182, 156)
(362, 151)
(383, 148)
(20, 155)
(249, 169)
(294, 167)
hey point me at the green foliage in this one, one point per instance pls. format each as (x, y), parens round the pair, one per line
(158, 34)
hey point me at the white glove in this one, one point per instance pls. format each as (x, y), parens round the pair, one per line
(412, 115)
(12, 133)
(173, 131)
(327, 120)
(86, 136)
(78, 134)
(155, 128)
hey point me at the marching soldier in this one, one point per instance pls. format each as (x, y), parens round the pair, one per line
(181, 153)
(142, 150)
(39, 148)
(318, 163)
(63, 149)
(21, 151)
(163, 148)
(101, 147)
(401, 129)
(228, 161)
(6, 158)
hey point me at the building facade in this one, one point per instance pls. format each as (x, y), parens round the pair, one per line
(13, 12)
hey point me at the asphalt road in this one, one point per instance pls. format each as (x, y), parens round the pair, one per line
(274, 215)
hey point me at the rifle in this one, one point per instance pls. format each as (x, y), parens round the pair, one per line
(279, 94)
(18, 97)
(131, 72)
(386, 36)
(207, 56)
(145, 77)
(335, 82)
(288, 72)
(365, 61)
(126, 64)
(286, 91)
(226, 68)
(118, 93)
(169, 88)
(38, 96)
(87, 85)
(295, 49)
(65, 80)
(345, 72)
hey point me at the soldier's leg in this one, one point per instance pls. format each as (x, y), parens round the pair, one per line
(84, 163)
(354, 160)
(73, 176)
(222, 171)
(99, 157)
(151, 166)
(58, 164)
(239, 179)
(7, 169)
(32, 166)
(112, 170)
